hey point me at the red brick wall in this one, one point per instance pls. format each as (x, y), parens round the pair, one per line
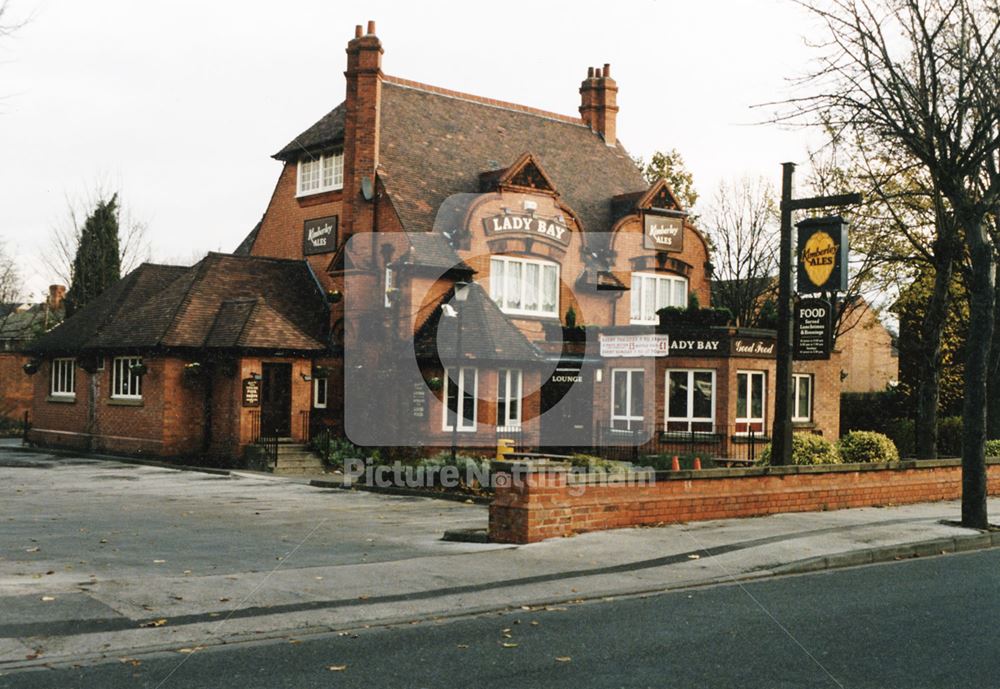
(15, 386)
(551, 503)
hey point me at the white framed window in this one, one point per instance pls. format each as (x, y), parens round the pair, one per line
(320, 173)
(125, 384)
(802, 397)
(461, 388)
(690, 400)
(524, 286)
(509, 398)
(652, 292)
(319, 393)
(627, 396)
(750, 396)
(63, 378)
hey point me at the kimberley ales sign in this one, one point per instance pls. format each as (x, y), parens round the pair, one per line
(526, 224)
(663, 232)
(822, 254)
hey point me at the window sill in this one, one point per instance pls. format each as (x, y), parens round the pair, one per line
(61, 399)
(317, 192)
(804, 423)
(123, 402)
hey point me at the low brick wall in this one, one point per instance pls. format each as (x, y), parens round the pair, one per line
(535, 501)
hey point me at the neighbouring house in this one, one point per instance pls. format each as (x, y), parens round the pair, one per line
(869, 359)
(432, 268)
(19, 324)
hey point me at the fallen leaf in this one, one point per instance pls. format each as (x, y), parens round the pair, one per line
(47, 598)
(362, 597)
(223, 600)
(462, 646)
(563, 659)
(158, 562)
(534, 623)
(509, 644)
(336, 668)
(694, 556)
(294, 641)
(33, 549)
(154, 623)
(189, 650)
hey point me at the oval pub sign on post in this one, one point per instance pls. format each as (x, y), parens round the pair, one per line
(822, 255)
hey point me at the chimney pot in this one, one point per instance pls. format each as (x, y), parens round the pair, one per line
(56, 295)
(590, 72)
(371, 27)
(607, 69)
(357, 31)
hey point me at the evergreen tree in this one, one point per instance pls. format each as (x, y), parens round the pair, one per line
(97, 264)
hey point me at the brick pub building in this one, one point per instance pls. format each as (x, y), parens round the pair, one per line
(406, 205)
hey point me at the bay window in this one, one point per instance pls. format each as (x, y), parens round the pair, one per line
(627, 396)
(509, 398)
(690, 400)
(460, 398)
(750, 402)
(652, 292)
(802, 398)
(523, 286)
(126, 383)
(63, 378)
(320, 173)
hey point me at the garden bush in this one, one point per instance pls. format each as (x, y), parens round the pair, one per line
(867, 446)
(807, 448)
(950, 436)
(993, 448)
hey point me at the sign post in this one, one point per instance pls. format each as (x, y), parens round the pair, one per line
(781, 434)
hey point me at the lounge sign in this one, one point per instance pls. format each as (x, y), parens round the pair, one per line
(663, 232)
(319, 236)
(822, 255)
(527, 224)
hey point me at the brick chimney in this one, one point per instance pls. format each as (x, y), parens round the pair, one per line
(599, 103)
(56, 295)
(362, 119)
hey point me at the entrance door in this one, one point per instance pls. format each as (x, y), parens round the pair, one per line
(567, 410)
(276, 400)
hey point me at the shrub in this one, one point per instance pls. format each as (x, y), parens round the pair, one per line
(590, 463)
(950, 436)
(993, 448)
(903, 435)
(867, 446)
(807, 448)
(336, 450)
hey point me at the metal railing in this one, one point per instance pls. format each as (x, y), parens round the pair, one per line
(304, 427)
(736, 445)
(268, 442)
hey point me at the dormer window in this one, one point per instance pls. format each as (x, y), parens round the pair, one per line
(319, 173)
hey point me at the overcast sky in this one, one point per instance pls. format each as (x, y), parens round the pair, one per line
(179, 105)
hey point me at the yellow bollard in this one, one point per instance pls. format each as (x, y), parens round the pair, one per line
(505, 446)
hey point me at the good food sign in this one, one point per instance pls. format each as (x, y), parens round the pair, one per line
(822, 254)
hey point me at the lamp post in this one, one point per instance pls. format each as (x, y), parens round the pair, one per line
(461, 295)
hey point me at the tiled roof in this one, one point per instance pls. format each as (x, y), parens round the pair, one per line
(434, 145)
(487, 334)
(246, 246)
(202, 306)
(328, 130)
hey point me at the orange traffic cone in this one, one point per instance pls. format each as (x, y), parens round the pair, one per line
(697, 463)
(675, 464)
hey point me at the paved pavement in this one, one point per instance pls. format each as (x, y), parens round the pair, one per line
(918, 624)
(102, 559)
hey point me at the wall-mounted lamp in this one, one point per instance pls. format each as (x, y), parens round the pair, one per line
(254, 376)
(306, 377)
(461, 292)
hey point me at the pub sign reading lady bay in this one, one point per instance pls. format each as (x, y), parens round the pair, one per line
(822, 254)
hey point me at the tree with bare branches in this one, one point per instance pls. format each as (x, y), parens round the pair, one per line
(924, 76)
(741, 225)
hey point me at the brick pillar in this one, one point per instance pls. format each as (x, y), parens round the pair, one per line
(529, 502)
(599, 103)
(361, 126)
